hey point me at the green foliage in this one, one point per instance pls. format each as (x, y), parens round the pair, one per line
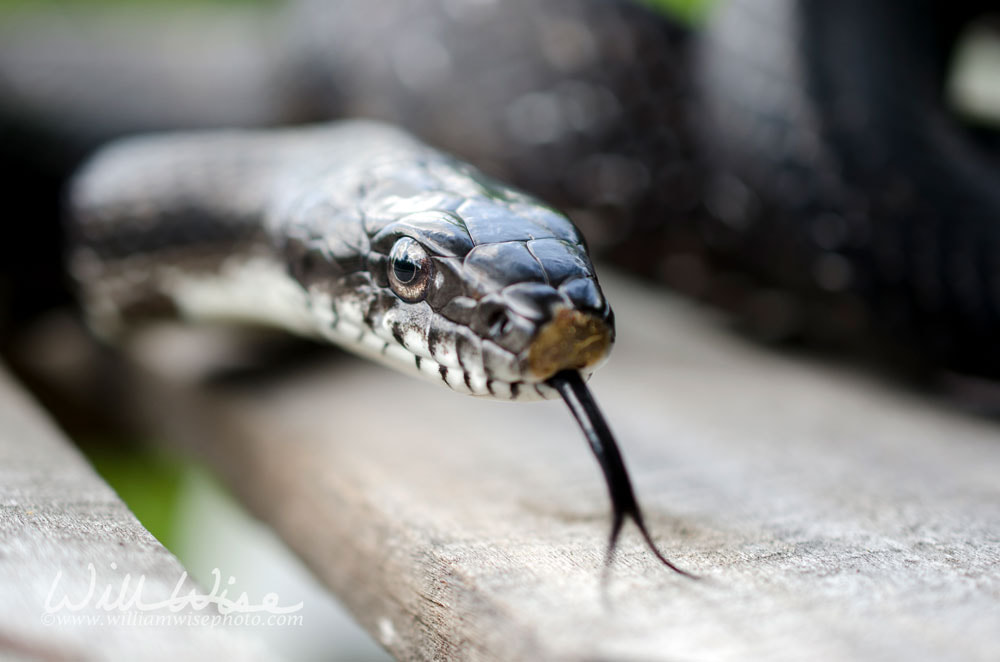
(690, 11)
(149, 482)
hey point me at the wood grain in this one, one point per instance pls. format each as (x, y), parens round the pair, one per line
(831, 515)
(63, 530)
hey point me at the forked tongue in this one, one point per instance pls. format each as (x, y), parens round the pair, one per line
(574, 391)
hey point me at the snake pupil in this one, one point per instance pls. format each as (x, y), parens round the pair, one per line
(404, 270)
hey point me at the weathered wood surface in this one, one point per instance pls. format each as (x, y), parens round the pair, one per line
(62, 531)
(832, 516)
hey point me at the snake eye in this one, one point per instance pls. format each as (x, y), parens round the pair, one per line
(409, 270)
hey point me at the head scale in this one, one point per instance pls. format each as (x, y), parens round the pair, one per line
(457, 277)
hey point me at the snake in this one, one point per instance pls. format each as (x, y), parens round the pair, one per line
(357, 234)
(750, 163)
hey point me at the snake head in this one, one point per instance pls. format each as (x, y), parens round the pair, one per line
(466, 282)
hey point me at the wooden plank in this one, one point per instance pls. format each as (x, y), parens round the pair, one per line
(831, 515)
(63, 531)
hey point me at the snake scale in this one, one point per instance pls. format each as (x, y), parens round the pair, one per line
(793, 161)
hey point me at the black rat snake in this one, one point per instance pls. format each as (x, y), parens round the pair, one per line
(795, 162)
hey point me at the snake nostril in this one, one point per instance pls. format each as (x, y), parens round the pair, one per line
(497, 323)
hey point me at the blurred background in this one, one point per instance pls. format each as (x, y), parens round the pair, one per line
(823, 172)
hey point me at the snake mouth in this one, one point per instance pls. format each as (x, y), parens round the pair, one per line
(573, 340)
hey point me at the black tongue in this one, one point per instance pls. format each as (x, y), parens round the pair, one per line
(574, 391)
